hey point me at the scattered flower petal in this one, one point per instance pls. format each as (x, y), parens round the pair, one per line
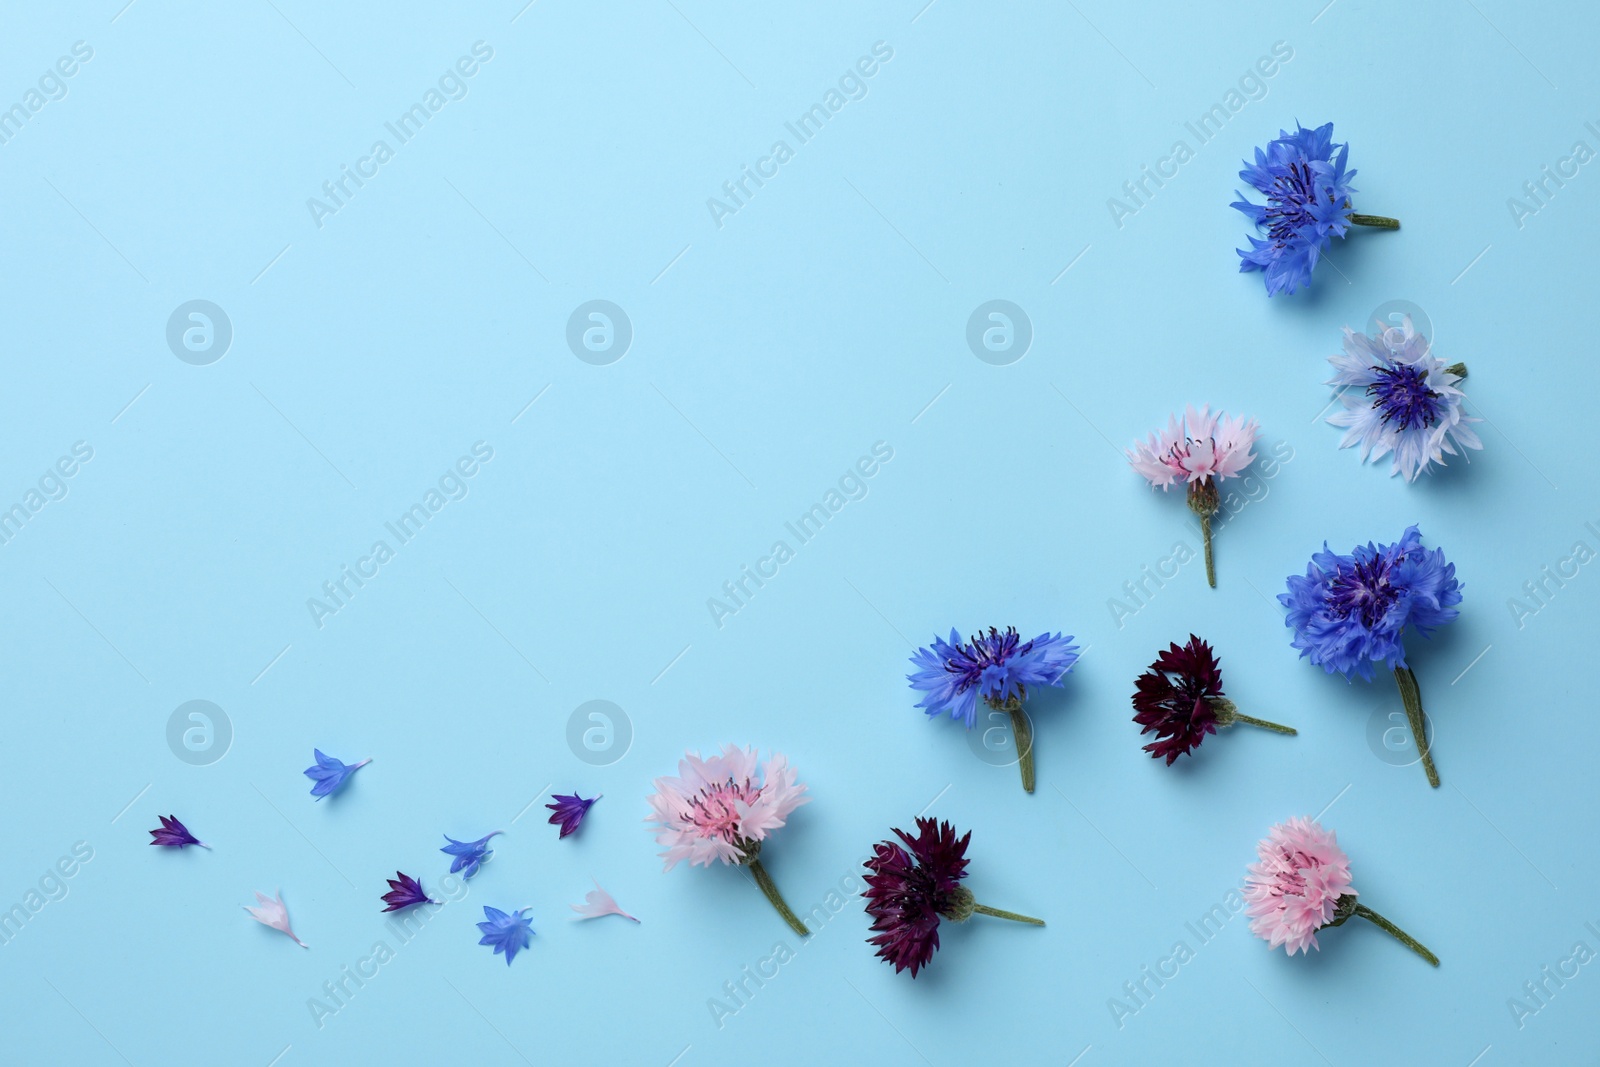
(271, 912)
(405, 891)
(508, 934)
(569, 811)
(598, 903)
(330, 774)
(469, 854)
(173, 834)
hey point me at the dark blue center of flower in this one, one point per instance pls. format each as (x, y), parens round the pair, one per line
(1363, 590)
(1286, 213)
(984, 651)
(1402, 394)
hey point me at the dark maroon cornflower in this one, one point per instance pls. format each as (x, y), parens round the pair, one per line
(1179, 699)
(908, 892)
(569, 811)
(173, 834)
(404, 891)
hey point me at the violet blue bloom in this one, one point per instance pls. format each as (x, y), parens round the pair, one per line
(469, 854)
(173, 834)
(569, 811)
(1350, 612)
(507, 933)
(330, 774)
(404, 892)
(1303, 177)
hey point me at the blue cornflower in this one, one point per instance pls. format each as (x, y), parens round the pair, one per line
(329, 774)
(1351, 612)
(507, 933)
(1303, 177)
(998, 666)
(469, 854)
(1398, 397)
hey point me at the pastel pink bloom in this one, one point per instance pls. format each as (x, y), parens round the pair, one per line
(723, 807)
(1201, 446)
(1293, 891)
(598, 903)
(272, 913)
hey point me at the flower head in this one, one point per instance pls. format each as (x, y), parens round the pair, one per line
(1173, 699)
(722, 808)
(1308, 191)
(1399, 398)
(330, 774)
(1294, 889)
(1201, 446)
(1349, 612)
(173, 834)
(910, 888)
(569, 811)
(270, 911)
(998, 666)
(507, 933)
(404, 891)
(468, 854)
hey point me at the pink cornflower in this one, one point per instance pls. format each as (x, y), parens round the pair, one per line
(1200, 451)
(1300, 884)
(723, 808)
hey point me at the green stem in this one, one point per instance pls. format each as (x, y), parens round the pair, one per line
(1265, 725)
(770, 888)
(1205, 533)
(1458, 369)
(1398, 934)
(1412, 697)
(1381, 221)
(1022, 737)
(984, 909)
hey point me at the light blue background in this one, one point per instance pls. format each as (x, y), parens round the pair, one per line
(768, 354)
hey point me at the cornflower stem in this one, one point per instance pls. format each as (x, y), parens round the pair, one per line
(984, 909)
(1204, 499)
(1022, 737)
(1395, 932)
(1411, 695)
(1265, 725)
(770, 888)
(1458, 369)
(1383, 222)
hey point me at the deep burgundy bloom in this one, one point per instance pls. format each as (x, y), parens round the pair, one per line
(173, 834)
(404, 891)
(1173, 699)
(908, 892)
(569, 811)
